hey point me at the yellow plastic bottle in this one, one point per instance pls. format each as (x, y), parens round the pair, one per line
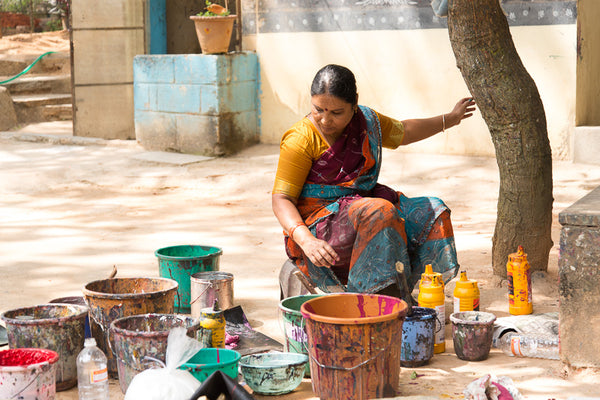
(428, 275)
(466, 294)
(431, 295)
(519, 283)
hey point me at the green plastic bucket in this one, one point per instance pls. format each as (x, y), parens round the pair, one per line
(296, 340)
(181, 262)
(211, 359)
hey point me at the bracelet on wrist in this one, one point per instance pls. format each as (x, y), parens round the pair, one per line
(443, 123)
(293, 228)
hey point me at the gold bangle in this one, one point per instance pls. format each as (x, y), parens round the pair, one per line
(293, 228)
(443, 122)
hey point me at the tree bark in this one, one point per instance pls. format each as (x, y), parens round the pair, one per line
(511, 107)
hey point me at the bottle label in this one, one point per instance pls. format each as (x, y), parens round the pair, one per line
(99, 375)
(466, 304)
(515, 346)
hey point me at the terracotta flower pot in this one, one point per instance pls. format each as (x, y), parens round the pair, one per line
(214, 33)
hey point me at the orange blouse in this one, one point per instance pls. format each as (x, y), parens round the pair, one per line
(302, 144)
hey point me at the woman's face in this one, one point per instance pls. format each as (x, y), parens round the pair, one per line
(331, 114)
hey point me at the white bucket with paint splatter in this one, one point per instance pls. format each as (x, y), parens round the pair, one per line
(28, 374)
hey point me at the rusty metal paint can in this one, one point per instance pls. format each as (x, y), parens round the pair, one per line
(519, 283)
(206, 287)
(56, 327)
(80, 301)
(111, 299)
(418, 337)
(138, 338)
(212, 328)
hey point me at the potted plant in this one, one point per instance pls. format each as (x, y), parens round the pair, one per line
(214, 27)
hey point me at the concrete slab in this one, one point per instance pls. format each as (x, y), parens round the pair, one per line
(63, 128)
(170, 158)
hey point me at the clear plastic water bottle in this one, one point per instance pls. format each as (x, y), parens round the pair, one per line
(92, 373)
(537, 346)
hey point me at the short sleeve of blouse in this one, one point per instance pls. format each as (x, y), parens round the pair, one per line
(392, 131)
(298, 148)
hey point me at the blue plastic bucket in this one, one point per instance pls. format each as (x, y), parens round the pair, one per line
(418, 337)
(181, 262)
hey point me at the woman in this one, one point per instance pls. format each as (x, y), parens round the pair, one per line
(342, 228)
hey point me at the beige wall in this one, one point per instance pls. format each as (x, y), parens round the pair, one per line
(419, 79)
(105, 36)
(588, 84)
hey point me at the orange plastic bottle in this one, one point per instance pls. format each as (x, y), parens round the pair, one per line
(519, 283)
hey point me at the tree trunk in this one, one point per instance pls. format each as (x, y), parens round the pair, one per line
(511, 107)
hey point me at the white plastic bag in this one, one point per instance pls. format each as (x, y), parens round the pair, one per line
(168, 383)
(490, 387)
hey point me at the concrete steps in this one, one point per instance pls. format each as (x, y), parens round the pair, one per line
(43, 107)
(44, 93)
(39, 84)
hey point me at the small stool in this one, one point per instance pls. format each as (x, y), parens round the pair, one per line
(292, 282)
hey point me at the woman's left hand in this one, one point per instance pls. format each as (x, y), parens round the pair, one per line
(463, 109)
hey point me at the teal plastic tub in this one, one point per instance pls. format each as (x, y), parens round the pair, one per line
(209, 360)
(296, 339)
(181, 262)
(273, 373)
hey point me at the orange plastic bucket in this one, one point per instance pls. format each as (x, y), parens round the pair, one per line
(354, 343)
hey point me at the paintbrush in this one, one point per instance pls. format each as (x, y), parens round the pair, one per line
(403, 286)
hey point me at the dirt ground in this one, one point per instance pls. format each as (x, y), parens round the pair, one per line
(71, 209)
(34, 43)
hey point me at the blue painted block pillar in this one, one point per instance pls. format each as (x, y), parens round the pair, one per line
(196, 103)
(156, 27)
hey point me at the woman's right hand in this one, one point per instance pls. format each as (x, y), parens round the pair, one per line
(318, 251)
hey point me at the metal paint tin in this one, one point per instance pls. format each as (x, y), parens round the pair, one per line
(146, 335)
(57, 327)
(208, 286)
(111, 299)
(418, 336)
(212, 328)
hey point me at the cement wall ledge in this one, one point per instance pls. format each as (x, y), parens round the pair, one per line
(578, 276)
(586, 145)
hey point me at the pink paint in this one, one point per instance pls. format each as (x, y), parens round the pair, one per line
(387, 305)
(361, 305)
(19, 357)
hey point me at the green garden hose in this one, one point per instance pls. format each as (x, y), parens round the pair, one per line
(27, 69)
